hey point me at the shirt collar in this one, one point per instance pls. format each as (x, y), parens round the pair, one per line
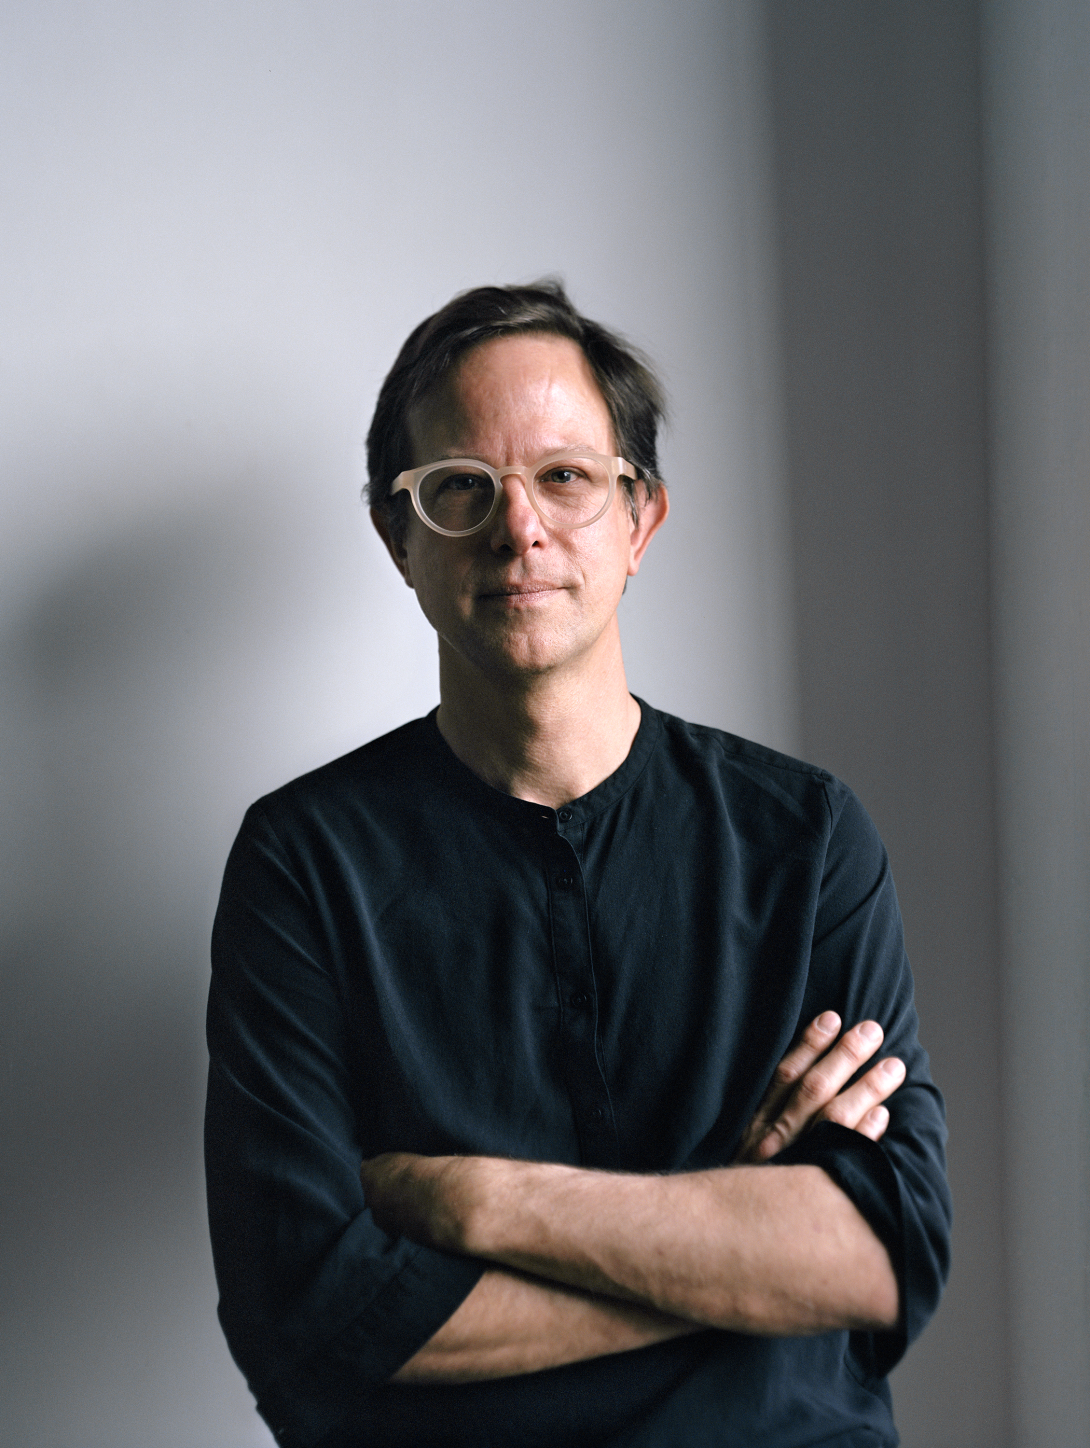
(481, 795)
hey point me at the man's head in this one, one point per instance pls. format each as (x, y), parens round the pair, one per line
(630, 390)
(526, 592)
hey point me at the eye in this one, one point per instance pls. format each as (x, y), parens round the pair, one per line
(563, 474)
(462, 482)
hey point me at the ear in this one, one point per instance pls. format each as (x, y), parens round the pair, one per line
(652, 515)
(394, 544)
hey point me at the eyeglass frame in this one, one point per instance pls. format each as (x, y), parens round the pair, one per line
(409, 481)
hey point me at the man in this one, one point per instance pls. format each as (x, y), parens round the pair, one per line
(567, 976)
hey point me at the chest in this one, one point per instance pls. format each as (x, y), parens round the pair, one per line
(602, 994)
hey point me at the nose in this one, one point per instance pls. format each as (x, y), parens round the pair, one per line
(516, 525)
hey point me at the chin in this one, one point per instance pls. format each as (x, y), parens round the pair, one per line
(513, 655)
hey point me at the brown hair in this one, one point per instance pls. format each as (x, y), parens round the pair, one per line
(632, 393)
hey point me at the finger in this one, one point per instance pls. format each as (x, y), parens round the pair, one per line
(874, 1123)
(816, 1040)
(820, 1085)
(880, 1082)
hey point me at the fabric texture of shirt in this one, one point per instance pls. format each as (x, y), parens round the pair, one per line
(407, 959)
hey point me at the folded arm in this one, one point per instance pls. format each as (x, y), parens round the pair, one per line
(513, 1323)
(593, 1262)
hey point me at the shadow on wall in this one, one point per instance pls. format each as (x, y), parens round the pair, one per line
(134, 692)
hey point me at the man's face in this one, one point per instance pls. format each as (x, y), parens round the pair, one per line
(520, 597)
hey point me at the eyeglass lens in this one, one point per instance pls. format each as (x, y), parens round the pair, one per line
(568, 492)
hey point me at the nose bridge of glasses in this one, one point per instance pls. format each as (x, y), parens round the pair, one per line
(523, 514)
(515, 470)
(524, 474)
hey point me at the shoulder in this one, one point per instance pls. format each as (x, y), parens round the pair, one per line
(758, 784)
(381, 776)
(736, 753)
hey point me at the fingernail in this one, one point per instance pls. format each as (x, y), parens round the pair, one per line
(827, 1021)
(871, 1030)
(893, 1067)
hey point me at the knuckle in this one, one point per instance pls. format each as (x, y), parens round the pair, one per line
(813, 1088)
(773, 1141)
(856, 1048)
(838, 1111)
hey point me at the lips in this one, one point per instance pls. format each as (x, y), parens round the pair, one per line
(518, 590)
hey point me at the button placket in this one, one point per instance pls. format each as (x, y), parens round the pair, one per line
(572, 960)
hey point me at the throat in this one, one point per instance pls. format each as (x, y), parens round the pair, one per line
(548, 741)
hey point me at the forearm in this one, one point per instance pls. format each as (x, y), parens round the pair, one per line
(758, 1249)
(750, 1248)
(511, 1323)
(777, 1250)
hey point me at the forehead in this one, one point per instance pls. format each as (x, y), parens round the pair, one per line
(531, 394)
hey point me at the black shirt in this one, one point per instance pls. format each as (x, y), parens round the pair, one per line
(407, 959)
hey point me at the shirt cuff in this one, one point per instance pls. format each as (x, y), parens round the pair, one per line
(305, 1405)
(867, 1177)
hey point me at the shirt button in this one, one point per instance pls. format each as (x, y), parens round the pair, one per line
(564, 816)
(579, 998)
(596, 1113)
(563, 881)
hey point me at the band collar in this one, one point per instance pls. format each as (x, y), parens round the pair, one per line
(578, 811)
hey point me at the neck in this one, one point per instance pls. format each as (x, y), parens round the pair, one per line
(547, 737)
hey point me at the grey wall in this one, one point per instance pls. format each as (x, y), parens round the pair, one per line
(878, 170)
(855, 238)
(932, 176)
(1037, 147)
(222, 221)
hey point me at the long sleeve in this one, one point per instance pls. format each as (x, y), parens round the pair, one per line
(898, 1184)
(315, 1300)
(407, 959)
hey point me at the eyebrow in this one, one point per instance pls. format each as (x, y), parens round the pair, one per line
(575, 447)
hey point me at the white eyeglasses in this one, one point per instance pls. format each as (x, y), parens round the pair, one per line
(566, 490)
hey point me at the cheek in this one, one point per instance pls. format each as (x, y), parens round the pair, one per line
(436, 575)
(606, 562)
(419, 554)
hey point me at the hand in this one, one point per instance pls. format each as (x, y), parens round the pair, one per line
(807, 1087)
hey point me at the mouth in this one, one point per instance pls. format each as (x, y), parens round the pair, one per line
(515, 593)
